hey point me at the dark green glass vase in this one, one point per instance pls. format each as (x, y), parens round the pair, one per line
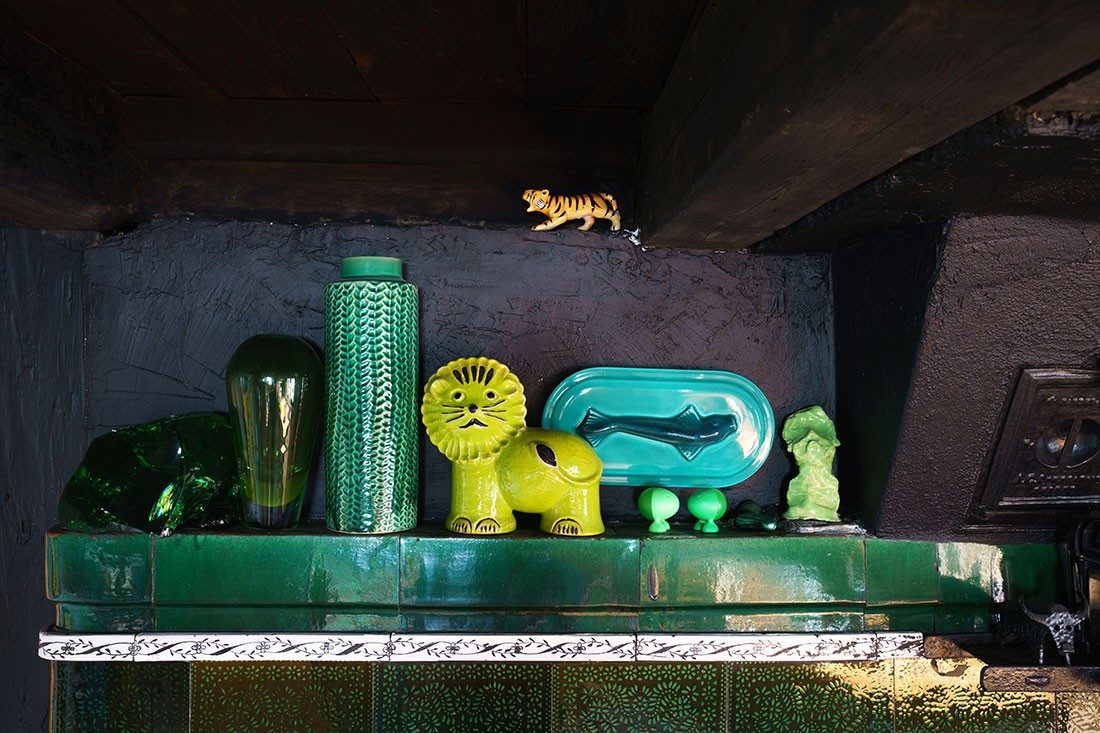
(276, 395)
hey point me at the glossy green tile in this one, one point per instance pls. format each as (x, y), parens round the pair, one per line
(812, 698)
(99, 568)
(455, 697)
(280, 696)
(277, 618)
(520, 622)
(90, 617)
(900, 572)
(752, 618)
(1077, 712)
(752, 570)
(278, 568)
(901, 618)
(640, 698)
(945, 696)
(522, 569)
(962, 619)
(966, 572)
(1032, 572)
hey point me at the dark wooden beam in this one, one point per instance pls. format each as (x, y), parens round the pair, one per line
(296, 159)
(62, 164)
(1021, 162)
(771, 113)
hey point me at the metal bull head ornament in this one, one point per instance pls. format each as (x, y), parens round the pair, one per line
(1062, 624)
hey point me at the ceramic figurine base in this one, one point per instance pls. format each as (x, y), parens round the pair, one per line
(474, 411)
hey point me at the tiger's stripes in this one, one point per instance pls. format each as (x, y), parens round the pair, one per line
(560, 209)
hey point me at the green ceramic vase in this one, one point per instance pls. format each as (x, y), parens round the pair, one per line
(372, 426)
(275, 400)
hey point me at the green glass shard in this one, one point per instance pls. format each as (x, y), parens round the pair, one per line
(155, 477)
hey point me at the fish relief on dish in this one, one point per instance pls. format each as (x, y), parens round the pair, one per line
(689, 432)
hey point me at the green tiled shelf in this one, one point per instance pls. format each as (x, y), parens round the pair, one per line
(536, 571)
(624, 581)
(99, 568)
(732, 570)
(285, 568)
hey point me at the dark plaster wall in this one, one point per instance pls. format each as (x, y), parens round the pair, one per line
(881, 288)
(42, 437)
(169, 302)
(1012, 292)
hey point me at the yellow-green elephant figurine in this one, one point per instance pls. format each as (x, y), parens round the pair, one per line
(475, 412)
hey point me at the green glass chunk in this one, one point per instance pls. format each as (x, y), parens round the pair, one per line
(155, 477)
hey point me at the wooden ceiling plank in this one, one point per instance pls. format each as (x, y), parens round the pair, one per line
(62, 162)
(819, 98)
(133, 61)
(435, 50)
(614, 54)
(259, 50)
(361, 132)
(308, 191)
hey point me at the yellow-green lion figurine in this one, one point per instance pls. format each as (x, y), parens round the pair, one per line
(474, 411)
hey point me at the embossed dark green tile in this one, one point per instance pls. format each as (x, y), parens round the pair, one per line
(276, 568)
(945, 696)
(770, 570)
(901, 618)
(92, 617)
(812, 698)
(901, 572)
(753, 618)
(78, 696)
(1077, 712)
(966, 572)
(144, 696)
(119, 696)
(1032, 572)
(280, 696)
(456, 697)
(99, 568)
(523, 569)
(962, 619)
(520, 622)
(277, 618)
(641, 698)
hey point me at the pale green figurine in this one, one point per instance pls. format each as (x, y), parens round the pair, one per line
(814, 493)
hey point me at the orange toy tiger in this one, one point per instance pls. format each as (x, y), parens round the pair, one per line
(560, 209)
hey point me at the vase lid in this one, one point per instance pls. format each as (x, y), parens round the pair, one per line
(355, 267)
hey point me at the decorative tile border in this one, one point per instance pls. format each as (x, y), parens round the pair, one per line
(508, 648)
(777, 647)
(737, 647)
(214, 647)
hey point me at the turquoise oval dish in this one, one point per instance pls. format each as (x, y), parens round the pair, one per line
(666, 427)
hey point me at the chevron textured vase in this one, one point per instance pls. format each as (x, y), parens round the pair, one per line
(371, 436)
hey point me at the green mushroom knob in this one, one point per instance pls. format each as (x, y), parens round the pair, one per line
(750, 515)
(707, 506)
(658, 505)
